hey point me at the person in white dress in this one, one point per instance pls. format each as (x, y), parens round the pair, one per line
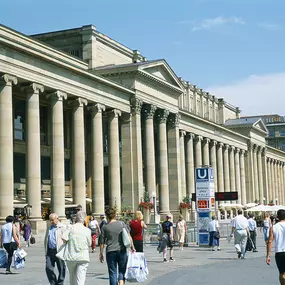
(181, 231)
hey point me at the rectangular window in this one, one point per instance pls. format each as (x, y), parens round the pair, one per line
(43, 124)
(19, 119)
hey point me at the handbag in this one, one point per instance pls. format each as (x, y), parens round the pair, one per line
(61, 253)
(125, 237)
(32, 240)
(3, 258)
(216, 235)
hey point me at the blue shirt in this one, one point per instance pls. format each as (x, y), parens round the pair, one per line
(52, 237)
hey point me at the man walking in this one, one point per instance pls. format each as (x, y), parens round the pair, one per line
(252, 230)
(52, 243)
(241, 232)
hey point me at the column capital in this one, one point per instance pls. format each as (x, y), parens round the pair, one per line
(264, 151)
(174, 120)
(226, 146)
(242, 152)
(149, 111)
(33, 88)
(214, 142)
(162, 115)
(232, 148)
(182, 133)
(198, 138)
(268, 159)
(96, 108)
(9, 79)
(57, 95)
(220, 144)
(114, 113)
(255, 148)
(191, 136)
(136, 105)
(206, 140)
(237, 150)
(79, 102)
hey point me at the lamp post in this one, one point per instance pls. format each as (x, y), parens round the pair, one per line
(154, 206)
(264, 199)
(276, 201)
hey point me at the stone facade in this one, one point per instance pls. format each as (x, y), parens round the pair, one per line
(102, 124)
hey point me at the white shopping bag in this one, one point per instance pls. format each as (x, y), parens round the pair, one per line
(20, 253)
(137, 270)
(18, 261)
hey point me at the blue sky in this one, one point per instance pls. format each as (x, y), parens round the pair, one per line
(232, 48)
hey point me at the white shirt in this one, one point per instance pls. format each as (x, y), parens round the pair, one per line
(279, 236)
(240, 222)
(93, 224)
(252, 224)
(213, 225)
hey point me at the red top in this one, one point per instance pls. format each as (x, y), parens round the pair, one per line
(136, 230)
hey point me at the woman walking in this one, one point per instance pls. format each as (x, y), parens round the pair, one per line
(137, 225)
(266, 226)
(27, 231)
(10, 240)
(181, 231)
(116, 253)
(95, 230)
(76, 255)
(277, 233)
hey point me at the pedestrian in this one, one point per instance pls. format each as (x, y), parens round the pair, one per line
(103, 221)
(277, 233)
(167, 238)
(95, 231)
(241, 232)
(266, 226)
(252, 231)
(181, 231)
(52, 243)
(27, 231)
(76, 255)
(116, 253)
(214, 234)
(9, 240)
(136, 230)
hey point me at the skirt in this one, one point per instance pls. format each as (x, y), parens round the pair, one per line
(280, 261)
(180, 235)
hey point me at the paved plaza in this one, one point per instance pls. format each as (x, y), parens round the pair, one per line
(193, 265)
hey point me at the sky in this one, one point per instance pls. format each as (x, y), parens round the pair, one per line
(233, 49)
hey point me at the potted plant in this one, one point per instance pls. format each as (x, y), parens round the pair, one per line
(184, 207)
(145, 206)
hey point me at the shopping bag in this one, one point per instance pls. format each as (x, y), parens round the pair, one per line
(20, 253)
(18, 261)
(32, 240)
(249, 245)
(3, 258)
(137, 270)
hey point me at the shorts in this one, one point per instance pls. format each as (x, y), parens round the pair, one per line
(280, 261)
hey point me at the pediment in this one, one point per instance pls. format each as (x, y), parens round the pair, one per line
(260, 126)
(162, 71)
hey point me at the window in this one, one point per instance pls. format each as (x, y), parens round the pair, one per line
(19, 120)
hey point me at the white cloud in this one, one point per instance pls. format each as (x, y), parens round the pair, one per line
(256, 94)
(209, 24)
(269, 26)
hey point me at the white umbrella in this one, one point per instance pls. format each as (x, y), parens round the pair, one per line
(250, 205)
(259, 208)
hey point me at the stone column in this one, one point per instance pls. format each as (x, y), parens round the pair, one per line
(279, 183)
(276, 181)
(213, 157)
(190, 177)
(273, 180)
(78, 153)
(232, 169)
(163, 161)
(283, 183)
(226, 168)
(149, 112)
(182, 161)
(255, 169)
(198, 153)
(33, 155)
(220, 168)
(174, 163)
(206, 158)
(264, 176)
(97, 159)
(250, 174)
(270, 188)
(242, 177)
(57, 154)
(260, 175)
(237, 174)
(114, 160)
(6, 146)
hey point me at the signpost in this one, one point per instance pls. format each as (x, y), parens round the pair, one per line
(205, 202)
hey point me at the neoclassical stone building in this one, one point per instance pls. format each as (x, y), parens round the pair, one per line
(85, 119)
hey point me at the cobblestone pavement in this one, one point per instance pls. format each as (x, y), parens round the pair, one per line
(193, 265)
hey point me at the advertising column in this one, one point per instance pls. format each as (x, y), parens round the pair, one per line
(205, 202)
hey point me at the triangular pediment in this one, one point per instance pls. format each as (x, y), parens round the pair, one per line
(161, 70)
(260, 126)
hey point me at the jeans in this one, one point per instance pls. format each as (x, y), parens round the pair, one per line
(51, 260)
(253, 238)
(114, 260)
(77, 272)
(214, 241)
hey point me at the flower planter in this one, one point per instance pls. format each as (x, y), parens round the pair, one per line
(146, 215)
